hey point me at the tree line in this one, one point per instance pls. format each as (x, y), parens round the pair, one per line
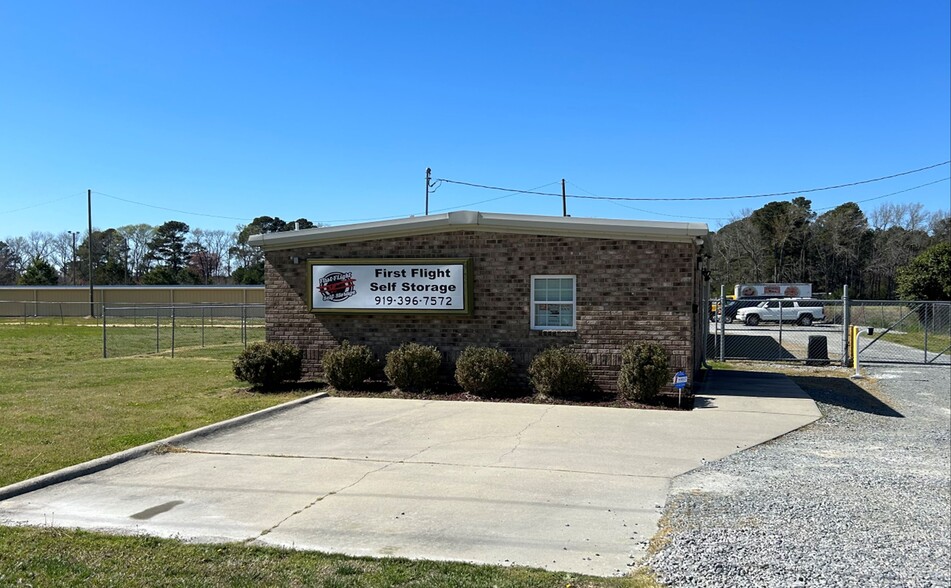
(783, 241)
(171, 253)
(786, 241)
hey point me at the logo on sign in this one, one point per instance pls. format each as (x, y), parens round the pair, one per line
(337, 286)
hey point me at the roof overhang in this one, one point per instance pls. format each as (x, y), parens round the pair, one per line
(467, 220)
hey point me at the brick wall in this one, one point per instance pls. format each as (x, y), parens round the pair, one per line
(626, 291)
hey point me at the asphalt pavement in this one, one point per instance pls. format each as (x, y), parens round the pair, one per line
(770, 342)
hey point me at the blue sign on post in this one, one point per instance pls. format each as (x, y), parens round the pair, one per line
(680, 380)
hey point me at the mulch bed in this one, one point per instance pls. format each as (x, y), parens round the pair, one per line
(666, 401)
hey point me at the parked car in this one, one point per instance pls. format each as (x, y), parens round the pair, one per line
(733, 306)
(802, 311)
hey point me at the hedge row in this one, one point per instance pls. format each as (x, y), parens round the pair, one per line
(557, 372)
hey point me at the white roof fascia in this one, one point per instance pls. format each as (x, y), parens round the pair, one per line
(467, 220)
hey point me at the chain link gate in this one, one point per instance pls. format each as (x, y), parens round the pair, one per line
(904, 332)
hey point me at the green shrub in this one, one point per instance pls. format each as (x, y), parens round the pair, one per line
(645, 369)
(483, 370)
(348, 366)
(561, 373)
(265, 365)
(413, 367)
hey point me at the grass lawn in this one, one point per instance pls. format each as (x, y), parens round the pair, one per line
(56, 557)
(61, 404)
(936, 343)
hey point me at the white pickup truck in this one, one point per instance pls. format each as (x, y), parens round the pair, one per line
(802, 311)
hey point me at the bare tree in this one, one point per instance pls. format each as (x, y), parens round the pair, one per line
(62, 255)
(8, 262)
(739, 253)
(39, 245)
(915, 217)
(885, 217)
(939, 226)
(217, 243)
(910, 216)
(137, 237)
(17, 252)
(208, 249)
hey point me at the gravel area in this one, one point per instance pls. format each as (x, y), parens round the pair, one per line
(860, 498)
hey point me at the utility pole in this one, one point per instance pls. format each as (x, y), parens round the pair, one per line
(92, 298)
(564, 199)
(429, 172)
(73, 266)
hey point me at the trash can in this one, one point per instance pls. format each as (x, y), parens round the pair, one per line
(818, 350)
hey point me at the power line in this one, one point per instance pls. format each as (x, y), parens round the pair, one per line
(173, 209)
(651, 211)
(514, 193)
(457, 207)
(891, 194)
(44, 203)
(699, 198)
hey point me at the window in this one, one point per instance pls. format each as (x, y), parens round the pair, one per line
(553, 302)
(787, 304)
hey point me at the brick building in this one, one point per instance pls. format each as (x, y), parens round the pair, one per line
(518, 282)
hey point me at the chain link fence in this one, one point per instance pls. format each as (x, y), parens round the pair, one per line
(903, 332)
(176, 329)
(782, 334)
(48, 312)
(818, 332)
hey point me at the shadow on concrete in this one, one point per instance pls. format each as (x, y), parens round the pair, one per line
(844, 393)
(749, 384)
(761, 347)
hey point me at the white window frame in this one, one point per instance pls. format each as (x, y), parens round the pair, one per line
(573, 302)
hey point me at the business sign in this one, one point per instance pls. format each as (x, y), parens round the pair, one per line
(777, 290)
(406, 286)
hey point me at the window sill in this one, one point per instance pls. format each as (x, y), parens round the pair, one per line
(555, 332)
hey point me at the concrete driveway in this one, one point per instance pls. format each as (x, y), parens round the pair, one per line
(577, 489)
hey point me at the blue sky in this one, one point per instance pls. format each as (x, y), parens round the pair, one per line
(333, 111)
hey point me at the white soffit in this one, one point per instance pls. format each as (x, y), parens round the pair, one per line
(468, 220)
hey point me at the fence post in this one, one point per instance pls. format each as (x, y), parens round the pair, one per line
(244, 325)
(157, 325)
(202, 326)
(173, 331)
(780, 351)
(104, 352)
(845, 325)
(926, 329)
